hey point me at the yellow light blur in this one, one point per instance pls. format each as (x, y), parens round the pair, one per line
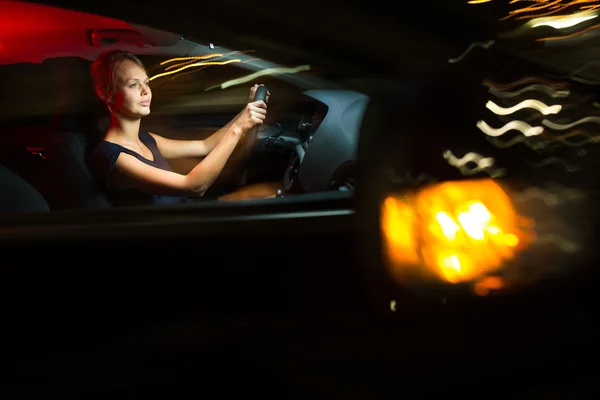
(192, 58)
(563, 21)
(545, 8)
(257, 74)
(572, 35)
(453, 231)
(197, 64)
(543, 12)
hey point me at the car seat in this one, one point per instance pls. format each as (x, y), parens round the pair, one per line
(17, 195)
(77, 186)
(79, 120)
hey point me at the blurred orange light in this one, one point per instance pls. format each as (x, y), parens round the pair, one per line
(453, 231)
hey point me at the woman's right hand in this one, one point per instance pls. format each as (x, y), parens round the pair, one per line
(253, 115)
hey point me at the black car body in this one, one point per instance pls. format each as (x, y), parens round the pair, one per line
(295, 296)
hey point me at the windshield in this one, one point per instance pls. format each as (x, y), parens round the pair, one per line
(41, 52)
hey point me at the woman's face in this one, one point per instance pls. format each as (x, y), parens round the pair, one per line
(132, 95)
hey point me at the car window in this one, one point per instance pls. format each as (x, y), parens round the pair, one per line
(304, 146)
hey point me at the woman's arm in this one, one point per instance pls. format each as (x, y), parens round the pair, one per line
(211, 141)
(173, 148)
(131, 173)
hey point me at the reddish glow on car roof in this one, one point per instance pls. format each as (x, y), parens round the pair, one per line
(30, 32)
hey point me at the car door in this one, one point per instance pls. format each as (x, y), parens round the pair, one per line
(296, 289)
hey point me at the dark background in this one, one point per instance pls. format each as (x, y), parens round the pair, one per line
(302, 320)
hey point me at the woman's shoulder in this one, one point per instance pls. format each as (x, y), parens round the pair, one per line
(105, 152)
(146, 137)
(103, 158)
(104, 148)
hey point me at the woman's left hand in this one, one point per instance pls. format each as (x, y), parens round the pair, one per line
(253, 92)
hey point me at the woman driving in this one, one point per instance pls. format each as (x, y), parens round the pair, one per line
(132, 162)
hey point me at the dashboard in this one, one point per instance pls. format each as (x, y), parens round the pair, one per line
(322, 139)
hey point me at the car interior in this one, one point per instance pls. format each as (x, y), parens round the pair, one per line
(54, 117)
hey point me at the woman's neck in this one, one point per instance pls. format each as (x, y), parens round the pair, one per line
(123, 129)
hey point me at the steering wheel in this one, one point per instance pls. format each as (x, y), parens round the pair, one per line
(261, 93)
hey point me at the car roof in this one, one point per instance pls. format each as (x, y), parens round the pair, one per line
(372, 35)
(32, 33)
(324, 32)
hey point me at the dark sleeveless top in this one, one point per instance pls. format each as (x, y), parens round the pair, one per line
(103, 158)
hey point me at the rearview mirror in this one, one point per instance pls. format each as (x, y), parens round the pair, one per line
(103, 37)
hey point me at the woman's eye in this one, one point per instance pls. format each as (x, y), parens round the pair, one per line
(133, 85)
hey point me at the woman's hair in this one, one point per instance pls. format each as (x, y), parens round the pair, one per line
(104, 69)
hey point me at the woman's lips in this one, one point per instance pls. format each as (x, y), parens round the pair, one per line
(145, 103)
